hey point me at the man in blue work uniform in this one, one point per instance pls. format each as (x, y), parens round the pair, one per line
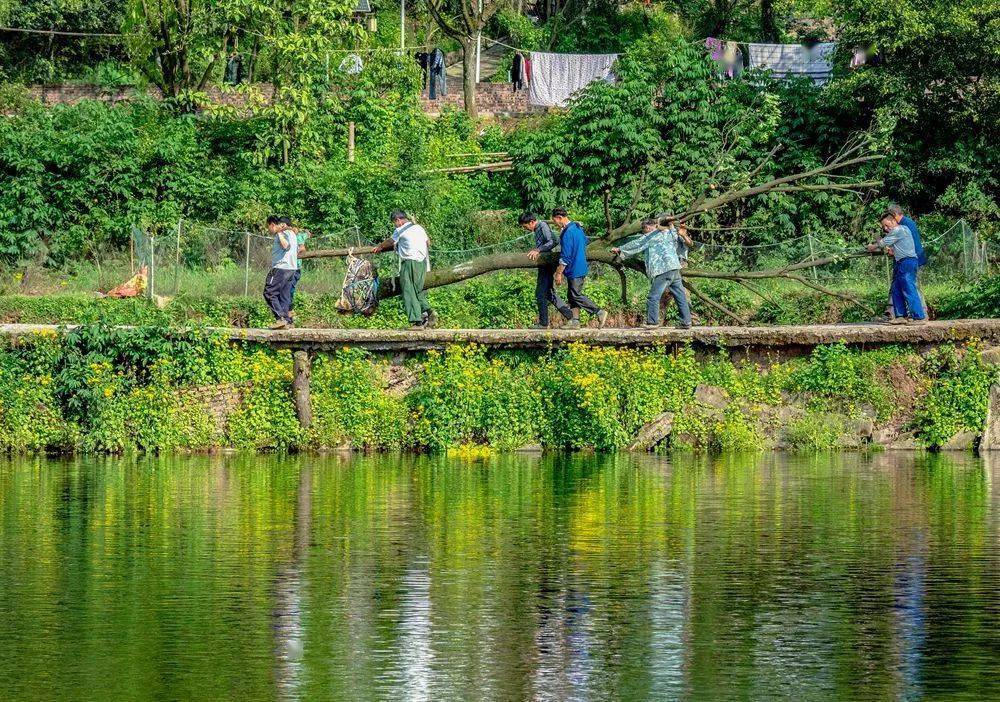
(545, 291)
(573, 268)
(897, 213)
(905, 296)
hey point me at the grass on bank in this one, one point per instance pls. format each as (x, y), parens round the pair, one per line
(504, 300)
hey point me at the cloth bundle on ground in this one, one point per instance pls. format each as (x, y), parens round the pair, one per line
(360, 291)
(133, 287)
(784, 60)
(556, 77)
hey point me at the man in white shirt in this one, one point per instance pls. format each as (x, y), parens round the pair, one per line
(412, 246)
(284, 264)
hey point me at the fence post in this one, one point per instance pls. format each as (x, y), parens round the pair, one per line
(152, 265)
(246, 269)
(177, 259)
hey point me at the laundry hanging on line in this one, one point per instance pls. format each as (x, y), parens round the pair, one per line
(784, 60)
(436, 73)
(234, 73)
(520, 71)
(727, 54)
(556, 77)
(423, 60)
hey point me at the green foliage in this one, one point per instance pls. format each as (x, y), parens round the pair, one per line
(75, 178)
(849, 379)
(815, 431)
(117, 390)
(465, 398)
(599, 398)
(737, 431)
(933, 99)
(153, 419)
(351, 405)
(958, 397)
(266, 419)
(979, 299)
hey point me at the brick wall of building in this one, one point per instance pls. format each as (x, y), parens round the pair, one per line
(492, 98)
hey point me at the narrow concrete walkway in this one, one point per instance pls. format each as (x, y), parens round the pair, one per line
(782, 340)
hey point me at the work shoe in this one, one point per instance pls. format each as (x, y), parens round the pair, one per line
(431, 319)
(602, 318)
(416, 326)
(682, 325)
(918, 321)
(651, 325)
(539, 326)
(279, 324)
(572, 324)
(896, 321)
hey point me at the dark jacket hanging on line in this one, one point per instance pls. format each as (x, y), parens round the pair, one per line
(516, 72)
(439, 81)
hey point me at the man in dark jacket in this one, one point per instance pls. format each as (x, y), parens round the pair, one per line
(545, 290)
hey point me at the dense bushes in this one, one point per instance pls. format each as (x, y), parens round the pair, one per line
(103, 390)
(73, 179)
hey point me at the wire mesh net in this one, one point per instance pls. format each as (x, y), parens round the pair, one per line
(236, 261)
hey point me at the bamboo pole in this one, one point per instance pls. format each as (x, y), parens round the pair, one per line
(246, 269)
(152, 265)
(350, 142)
(177, 259)
(492, 167)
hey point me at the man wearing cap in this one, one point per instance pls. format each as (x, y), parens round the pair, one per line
(658, 244)
(412, 246)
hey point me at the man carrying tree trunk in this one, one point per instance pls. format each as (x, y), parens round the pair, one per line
(663, 266)
(412, 246)
(284, 264)
(899, 242)
(573, 268)
(545, 291)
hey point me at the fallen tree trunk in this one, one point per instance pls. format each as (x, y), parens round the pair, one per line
(599, 250)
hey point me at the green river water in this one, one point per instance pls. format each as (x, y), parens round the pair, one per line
(516, 578)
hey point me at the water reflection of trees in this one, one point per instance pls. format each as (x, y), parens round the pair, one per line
(510, 578)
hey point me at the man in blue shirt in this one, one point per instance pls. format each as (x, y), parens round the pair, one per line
(574, 268)
(545, 291)
(899, 241)
(897, 213)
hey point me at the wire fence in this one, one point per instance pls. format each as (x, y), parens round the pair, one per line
(238, 260)
(193, 256)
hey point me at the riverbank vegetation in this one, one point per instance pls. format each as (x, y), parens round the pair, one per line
(113, 390)
(75, 178)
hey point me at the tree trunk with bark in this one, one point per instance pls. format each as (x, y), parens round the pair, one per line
(469, 76)
(768, 21)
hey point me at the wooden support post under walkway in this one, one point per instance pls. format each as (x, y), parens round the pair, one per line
(301, 378)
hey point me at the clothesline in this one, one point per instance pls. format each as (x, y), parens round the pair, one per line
(57, 32)
(692, 42)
